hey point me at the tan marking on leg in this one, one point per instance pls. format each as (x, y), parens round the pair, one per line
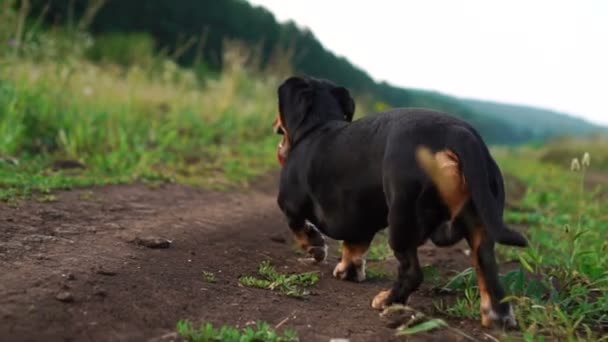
(443, 168)
(318, 252)
(352, 254)
(379, 301)
(302, 240)
(486, 304)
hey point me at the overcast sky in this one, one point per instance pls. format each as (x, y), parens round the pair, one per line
(552, 54)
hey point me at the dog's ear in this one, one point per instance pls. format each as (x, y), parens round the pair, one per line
(346, 102)
(295, 104)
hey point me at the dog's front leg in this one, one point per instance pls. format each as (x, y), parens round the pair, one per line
(296, 209)
(309, 238)
(352, 264)
(404, 238)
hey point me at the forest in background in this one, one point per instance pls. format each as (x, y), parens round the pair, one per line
(193, 32)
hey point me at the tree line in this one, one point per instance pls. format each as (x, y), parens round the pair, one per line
(183, 24)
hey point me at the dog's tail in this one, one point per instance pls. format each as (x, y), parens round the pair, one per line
(475, 170)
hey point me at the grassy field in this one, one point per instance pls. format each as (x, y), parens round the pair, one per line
(562, 289)
(67, 121)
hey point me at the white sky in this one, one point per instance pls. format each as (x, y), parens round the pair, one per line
(547, 53)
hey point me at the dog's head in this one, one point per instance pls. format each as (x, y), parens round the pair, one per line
(305, 104)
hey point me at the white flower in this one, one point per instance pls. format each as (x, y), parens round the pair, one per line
(586, 160)
(575, 165)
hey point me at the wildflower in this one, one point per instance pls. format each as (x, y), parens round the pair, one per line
(13, 43)
(575, 165)
(586, 160)
(88, 91)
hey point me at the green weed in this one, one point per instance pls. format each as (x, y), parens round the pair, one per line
(377, 274)
(209, 277)
(431, 274)
(379, 249)
(291, 285)
(208, 333)
(423, 327)
(466, 305)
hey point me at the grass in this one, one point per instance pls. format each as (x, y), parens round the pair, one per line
(560, 288)
(561, 151)
(291, 285)
(128, 122)
(127, 115)
(209, 277)
(373, 273)
(379, 249)
(567, 260)
(468, 301)
(208, 333)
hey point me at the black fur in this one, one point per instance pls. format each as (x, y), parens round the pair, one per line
(354, 178)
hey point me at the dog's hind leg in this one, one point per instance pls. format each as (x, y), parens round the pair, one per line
(490, 289)
(352, 265)
(409, 279)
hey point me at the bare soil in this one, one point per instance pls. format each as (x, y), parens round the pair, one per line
(75, 269)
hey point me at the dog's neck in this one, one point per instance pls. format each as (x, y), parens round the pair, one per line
(303, 136)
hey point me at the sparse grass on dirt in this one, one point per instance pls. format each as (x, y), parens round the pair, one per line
(209, 277)
(208, 333)
(379, 249)
(291, 285)
(374, 273)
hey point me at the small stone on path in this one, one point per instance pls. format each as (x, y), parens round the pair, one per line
(153, 242)
(65, 297)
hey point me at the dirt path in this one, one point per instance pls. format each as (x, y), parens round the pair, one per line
(79, 249)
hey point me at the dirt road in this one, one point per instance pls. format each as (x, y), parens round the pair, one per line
(70, 271)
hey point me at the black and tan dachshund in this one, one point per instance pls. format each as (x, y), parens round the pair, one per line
(421, 173)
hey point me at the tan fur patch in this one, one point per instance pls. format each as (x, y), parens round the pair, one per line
(379, 301)
(352, 254)
(443, 167)
(302, 240)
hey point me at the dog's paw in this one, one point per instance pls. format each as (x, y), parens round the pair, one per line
(505, 319)
(380, 300)
(318, 253)
(350, 271)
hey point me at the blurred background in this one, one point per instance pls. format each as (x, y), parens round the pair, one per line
(186, 90)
